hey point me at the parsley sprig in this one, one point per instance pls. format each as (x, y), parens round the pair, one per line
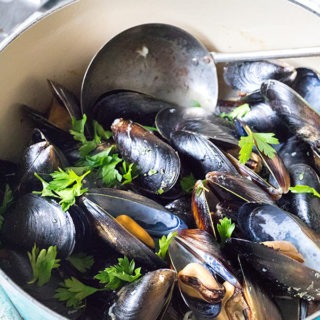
(112, 169)
(42, 263)
(73, 292)
(164, 243)
(238, 112)
(117, 275)
(305, 189)
(78, 132)
(262, 141)
(225, 228)
(66, 186)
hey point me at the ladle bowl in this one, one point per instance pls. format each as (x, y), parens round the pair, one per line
(167, 62)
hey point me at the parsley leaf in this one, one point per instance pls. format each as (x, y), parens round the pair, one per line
(305, 189)
(164, 243)
(107, 165)
(42, 262)
(66, 186)
(238, 112)
(78, 132)
(73, 292)
(187, 183)
(81, 261)
(225, 228)
(261, 140)
(6, 202)
(117, 275)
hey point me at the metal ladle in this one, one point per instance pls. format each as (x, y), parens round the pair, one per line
(166, 62)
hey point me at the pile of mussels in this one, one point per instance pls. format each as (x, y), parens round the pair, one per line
(273, 256)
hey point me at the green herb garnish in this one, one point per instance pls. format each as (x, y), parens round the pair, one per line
(73, 292)
(187, 183)
(42, 263)
(6, 202)
(261, 140)
(304, 189)
(117, 275)
(78, 132)
(164, 243)
(225, 228)
(66, 186)
(238, 112)
(81, 261)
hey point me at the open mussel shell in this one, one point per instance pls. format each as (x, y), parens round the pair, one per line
(157, 162)
(194, 245)
(118, 238)
(247, 76)
(66, 98)
(33, 219)
(286, 274)
(262, 307)
(147, 298)
(127, 104)
(231, 186)
(301, 119)
(41, 157)
(266, 222)
(150, 215)
(203, 205)
(197, 248)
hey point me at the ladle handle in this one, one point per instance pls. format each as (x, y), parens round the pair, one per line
(265, 55)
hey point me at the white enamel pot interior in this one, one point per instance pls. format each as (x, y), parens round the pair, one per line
(60, 47)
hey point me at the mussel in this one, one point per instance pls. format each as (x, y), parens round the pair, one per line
(157, 162)
(247, 76)
(146, 298)
(266, 222)
(33, 219)
(150, 215)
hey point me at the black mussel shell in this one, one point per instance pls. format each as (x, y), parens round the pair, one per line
(304, 205)
(150, 215)
(295, 151)
(247, 76)
(307, 84)
(119, 238)
(147, 298)
(126, 104)
(258, 298)
(157, 162)
(33, 219)
(202, 154)
(286, 274)
(196, 120)
(298, 115)
(66, 98)
(266, 222)
(41, 157)
(230, 186)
